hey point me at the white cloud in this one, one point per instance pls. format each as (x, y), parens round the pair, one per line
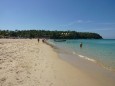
(105, 29)
(107, 23)
(98, 29)
(77, 22)
(83, 21)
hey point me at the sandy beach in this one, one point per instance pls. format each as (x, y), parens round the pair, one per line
(25, 62)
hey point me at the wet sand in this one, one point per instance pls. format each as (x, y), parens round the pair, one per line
(25, 62)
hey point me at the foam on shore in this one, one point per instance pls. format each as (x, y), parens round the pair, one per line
(84, 57)
(92, 67)
(68, 50)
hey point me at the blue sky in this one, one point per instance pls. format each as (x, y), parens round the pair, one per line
(79, 15)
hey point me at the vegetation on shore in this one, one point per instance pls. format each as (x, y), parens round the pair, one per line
(48, 34)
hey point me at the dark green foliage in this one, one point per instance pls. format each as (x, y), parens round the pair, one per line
(49, 34)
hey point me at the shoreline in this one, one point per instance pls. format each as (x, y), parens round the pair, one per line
(89, 66)
(79, 55)
(25, 62)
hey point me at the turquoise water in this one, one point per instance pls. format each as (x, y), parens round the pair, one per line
(100, 51)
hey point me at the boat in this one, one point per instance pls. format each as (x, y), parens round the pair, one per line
(59, 40)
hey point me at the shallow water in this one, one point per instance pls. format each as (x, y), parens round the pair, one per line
(100, 51)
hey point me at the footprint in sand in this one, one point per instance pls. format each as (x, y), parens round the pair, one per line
(51, 84)
(28, 77)
(19, 81)
(2, 80)
(35, 64)
(10, 84)
(0, 67)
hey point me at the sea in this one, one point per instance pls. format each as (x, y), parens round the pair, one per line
(100, 51)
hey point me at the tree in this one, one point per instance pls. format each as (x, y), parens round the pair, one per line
(51, 34)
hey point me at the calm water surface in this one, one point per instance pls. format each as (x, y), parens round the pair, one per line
(101, 51)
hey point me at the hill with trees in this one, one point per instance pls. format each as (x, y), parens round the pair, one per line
(48, 34)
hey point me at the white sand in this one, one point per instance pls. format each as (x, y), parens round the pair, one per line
(25, 62)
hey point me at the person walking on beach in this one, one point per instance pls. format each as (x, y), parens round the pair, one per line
(43, 40)
(81, 45)
(38, 40)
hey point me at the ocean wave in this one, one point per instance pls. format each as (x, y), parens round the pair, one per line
(71, 51)
(93, 60)
(84, 57)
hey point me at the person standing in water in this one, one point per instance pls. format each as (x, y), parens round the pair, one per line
(81, 45)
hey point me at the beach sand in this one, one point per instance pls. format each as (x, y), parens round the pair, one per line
(25, 62)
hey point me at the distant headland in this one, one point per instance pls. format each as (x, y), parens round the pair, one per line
(48, 34)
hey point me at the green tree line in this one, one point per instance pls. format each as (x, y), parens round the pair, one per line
(49, 34)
